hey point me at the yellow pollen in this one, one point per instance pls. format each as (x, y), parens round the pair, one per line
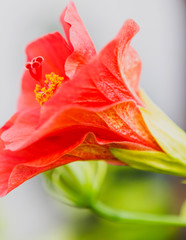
(44, 93)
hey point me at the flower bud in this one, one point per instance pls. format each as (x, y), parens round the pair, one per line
(76, 183)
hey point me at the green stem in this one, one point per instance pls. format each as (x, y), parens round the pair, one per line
(139, 218)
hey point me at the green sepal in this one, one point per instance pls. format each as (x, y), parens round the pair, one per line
(151, 161)
(168, 135)
(171, 139)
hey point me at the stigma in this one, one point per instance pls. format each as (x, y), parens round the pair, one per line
(35, 68)
(45, 88)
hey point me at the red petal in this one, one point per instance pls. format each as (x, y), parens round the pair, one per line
(23, 126)
(26, 129)
(6, 165)
(78, 38)
(122, 60)
(125, 119)
(130, 67)
(55, 51)
(69, 145)
(19, 166)
(13, 172)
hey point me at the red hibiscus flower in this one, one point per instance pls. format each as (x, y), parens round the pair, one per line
(75, 104)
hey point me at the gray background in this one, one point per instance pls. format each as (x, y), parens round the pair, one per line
(27, 212)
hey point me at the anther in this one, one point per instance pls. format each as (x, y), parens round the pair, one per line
(45, 92)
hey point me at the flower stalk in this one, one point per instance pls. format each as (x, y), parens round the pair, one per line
(136, 218)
